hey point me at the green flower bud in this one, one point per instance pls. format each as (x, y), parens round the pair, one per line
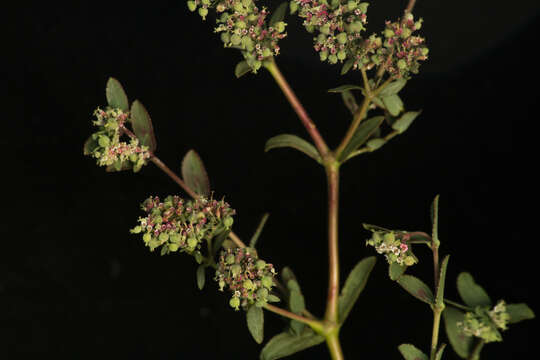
(389, 238)
(146, 238)
(240, 24)
(341, 55)
(388, 33)
(248, 284)
(163, 237)
(342, 38)
(294, 7)
(402, 64)
(236, 270)
(174, 238)
(323, 55)
(173, 247)
(406, 33)
(137, 229)
(325, 29)
(351, 5)
(192, 243)
(203, 12)
(234, 303)
(239, 7)
(228, 221)
(248, 43)
(104, 141)
(133, 157)
(267, 282)
(332, 59)
(424, 51)
(418, 25)
(409, 260)
(363, 7)
(260, 264)
(236, 39)
(280, 26)
(198, 257)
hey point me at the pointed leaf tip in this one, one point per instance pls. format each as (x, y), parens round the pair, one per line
(355, 283)
(411, 352)
(285, 344)
(116, 96)
(194, 173)
(142, 125)
(241, 69)
(293, 141)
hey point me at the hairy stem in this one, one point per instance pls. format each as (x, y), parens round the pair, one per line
(298, 108)
(332, 173)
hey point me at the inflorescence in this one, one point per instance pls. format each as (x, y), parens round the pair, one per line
(179, 225)
(394, 247)
(484, 323)
(249, 278)
(244, 26)
(106, 146)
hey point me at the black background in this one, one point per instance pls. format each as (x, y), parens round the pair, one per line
(75, 284)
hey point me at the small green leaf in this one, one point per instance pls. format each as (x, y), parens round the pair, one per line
(241, 69)
(90, 145)
(371, 227)
(375, 144)
(395, 270)
(288, 140)
(287, 274)
(296, 301)
(194, 173)
(347, 66)
(219, 238)
(472, 294)
(279, 13)
(118, 166)
(519, 312)
(297, 327)
(355, 283)
(201, 276)
(393, 88)
(411, 352)
(285, 344)
(343, 88)
(438, 355)
(349, 101)
(362, 133)
(255, 323)
(461, 343)
(442, 278)
(116, 96)
(142, 125)
(435, 220)
(378, 101)
(255, 236)
(273, 298)
(403, 123)
(416, 288)
(393, 104)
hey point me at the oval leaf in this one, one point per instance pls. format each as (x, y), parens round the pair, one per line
(375, 144)
(285, 344)
(297, 303)
(90, 145)
(142, 125)
(116, 96)
(343, 88)
(442, 278)
(403, 123)
(355, 283)
(347, 66)
(395, 270)
(411, 352)
(255, 323)
(461, 344)
(393, 88)
(349, 101)
(519, 312)
(201, 276)
(279, 13)
(288, 140)
(393, 104)
(416, 288)
(241, 69)
(194, 173)
(362, 133)
(472, 294)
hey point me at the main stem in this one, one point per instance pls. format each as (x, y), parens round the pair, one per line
(332, 174)
(438, 308)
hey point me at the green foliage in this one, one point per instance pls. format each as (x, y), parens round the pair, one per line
(411, 352)
(293, 141)
(472, 294)
(201, 276)
(116, 96)
(417, 288)
(258, 232)
(255, 323)
(439, 354)
(343, 88)
(519, 312)
(355, 283)
(461, 343)
(361, 135)
(241, 69)
(393, 88)
(279, 14)
(194, 173)
(435, 221)
(442, 279)
(403, 123)
(142, 125)
(349, 101)
(393, 104)
(285, 344)
(395, 270)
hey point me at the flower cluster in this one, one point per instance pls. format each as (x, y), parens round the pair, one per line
(249, 278)
(105, 145)
(339, 26)
(393, 245)
(483, 323)
(401, 51)
(243, 25)
(179, 225)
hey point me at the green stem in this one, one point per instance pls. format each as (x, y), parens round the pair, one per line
(475, 355)
(334, 346)
(332, 173)
(298, 108)
(315, 324)
(458, 305)
(437, 312)
(358, 117)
